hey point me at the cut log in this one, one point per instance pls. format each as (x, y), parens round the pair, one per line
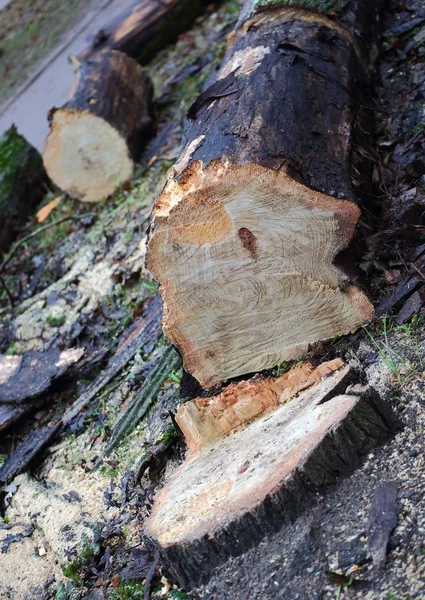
(246, 235)
(98, 134)
(23, 184)
(203, 420)
(224, 499)
(143, 28)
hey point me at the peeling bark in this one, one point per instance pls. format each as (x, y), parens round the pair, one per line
(203, 420)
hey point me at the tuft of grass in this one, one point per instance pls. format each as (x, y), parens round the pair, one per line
(391, 359)
(400, 366)
(130, 590)
(282, 368)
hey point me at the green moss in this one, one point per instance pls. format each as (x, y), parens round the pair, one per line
(72, 570)
(56, 321)
(68, 591)
(179, 595)
(168, 436)
(88, 552)
(3, 459)
(11, 349)
(151, 286)
(322, 6)
(15, 153)
(130, 590)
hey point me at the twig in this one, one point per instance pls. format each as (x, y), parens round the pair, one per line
(37, 232)
(8, 292)
(412, 264)
(150, 575)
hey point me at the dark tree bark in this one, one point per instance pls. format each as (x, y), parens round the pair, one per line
(96, 137)
(246, 234)
(226, 498)
(23, 184)
(144, 28)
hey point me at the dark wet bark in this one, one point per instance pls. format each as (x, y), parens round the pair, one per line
(111, 86)
(27, 452)
(144, 28)
(319, 74)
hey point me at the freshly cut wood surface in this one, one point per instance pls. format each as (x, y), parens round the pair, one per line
(96, 137)
(224, 499)
(247, 233)
(23, 184)
(143, 28)
(203, 420)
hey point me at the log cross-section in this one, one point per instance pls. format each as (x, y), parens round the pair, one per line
(97, 135)
(246, 234)
(231, 493)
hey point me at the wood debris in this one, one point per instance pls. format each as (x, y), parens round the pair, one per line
(205, 419)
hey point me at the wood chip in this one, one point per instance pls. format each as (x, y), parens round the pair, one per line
(382, 520)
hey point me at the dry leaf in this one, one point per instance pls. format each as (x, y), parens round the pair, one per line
(44, 212)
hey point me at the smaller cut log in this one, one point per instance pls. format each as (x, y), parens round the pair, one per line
(143, 28)
(97, 135)
(205, 419)
(226, 497)
(23, 183)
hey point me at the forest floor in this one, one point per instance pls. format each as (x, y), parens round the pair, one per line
(72, 524)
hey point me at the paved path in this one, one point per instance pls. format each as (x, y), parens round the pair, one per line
(51, 83)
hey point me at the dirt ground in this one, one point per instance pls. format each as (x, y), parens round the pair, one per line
(73, 526)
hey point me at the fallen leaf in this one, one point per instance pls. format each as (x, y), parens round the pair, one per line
(44, 212)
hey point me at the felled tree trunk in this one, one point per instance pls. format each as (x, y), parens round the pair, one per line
(23, 183)
(144, 28)
(98, 134)
(246, 234)
(242, 486)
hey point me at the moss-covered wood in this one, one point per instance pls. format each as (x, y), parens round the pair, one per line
(23, 183)
(168, 362)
